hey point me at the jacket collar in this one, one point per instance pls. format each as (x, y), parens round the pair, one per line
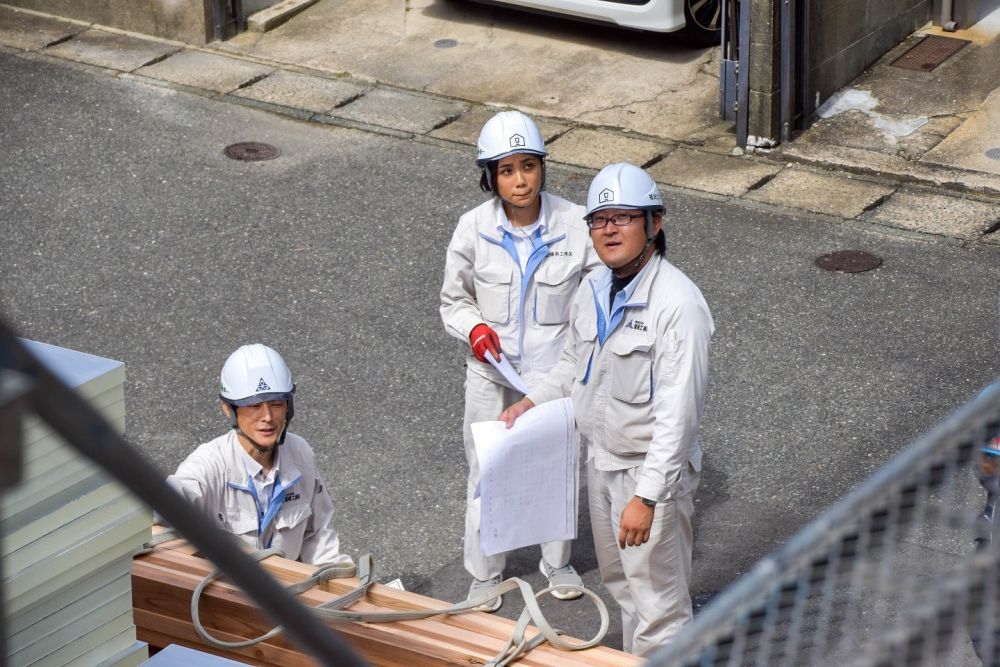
(494, 231)
(239, 463)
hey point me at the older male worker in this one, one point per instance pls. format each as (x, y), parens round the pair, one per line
(258, 481)
(636, 366)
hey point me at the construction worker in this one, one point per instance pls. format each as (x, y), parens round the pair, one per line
(258, 480)
(636, 366)
(512, 267)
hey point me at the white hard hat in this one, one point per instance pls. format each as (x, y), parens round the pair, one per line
(623, 185)
(507, 133)
(254, 374)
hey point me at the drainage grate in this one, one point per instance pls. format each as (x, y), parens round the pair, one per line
(848, 261)
(930, 52)
(251, 151)
(446, 43)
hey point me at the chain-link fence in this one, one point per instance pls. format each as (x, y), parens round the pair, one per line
(889, 576)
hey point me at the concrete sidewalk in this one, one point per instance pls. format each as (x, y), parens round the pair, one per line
(913, 155)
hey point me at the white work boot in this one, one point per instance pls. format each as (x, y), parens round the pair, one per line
(479, 587)
(562, 576)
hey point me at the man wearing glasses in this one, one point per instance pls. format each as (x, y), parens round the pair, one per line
(636, 366)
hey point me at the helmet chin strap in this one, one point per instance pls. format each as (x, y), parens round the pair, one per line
(632, 266)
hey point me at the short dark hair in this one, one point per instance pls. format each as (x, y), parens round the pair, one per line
(488, 180)
(661, 242)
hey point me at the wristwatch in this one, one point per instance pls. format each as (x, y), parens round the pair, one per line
(646, 501)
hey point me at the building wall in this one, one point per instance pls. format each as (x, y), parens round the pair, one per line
(846, 36)
(183, 20)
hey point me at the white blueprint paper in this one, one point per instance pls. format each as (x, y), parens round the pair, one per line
(529, 482)
(508, 372)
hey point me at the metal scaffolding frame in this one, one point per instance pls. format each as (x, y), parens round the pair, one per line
(888, 576)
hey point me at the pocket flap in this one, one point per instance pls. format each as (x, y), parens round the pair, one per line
(242, 523)
(292, 515)
(556, 274)
(627, 344)
(496, 275)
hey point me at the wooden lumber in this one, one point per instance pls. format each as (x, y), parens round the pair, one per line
(163, 582)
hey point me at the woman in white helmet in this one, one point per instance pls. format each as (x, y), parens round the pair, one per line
(636, 366)
(258, 480)
(512, 267)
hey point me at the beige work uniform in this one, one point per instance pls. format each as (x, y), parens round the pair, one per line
(529, 310)
(637, 374)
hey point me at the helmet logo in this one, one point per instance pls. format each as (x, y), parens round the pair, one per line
(606, 195)
(517, 141)
(262, 386)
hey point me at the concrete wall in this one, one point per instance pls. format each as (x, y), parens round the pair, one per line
(765, 70)
(183, 20)
(848, 35)
(845, 37)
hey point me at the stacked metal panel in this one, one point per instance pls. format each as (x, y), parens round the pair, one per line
(67, 535)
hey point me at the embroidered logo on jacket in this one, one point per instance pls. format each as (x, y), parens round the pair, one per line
(637, 325)
(561, 253)
(292, 495)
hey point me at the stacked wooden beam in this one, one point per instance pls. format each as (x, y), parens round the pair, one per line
(163, 582)
(68, 533)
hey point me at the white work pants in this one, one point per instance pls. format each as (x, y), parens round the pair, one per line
(484, 401)
(649, 582)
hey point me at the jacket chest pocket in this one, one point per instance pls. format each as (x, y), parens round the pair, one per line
(292, 515)
(240, 522)
(631, 372)
(493, 293)
(554, 292)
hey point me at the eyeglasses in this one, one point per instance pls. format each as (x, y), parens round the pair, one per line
(619, 220)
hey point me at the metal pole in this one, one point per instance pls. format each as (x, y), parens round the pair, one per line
(743, 75)
(82, 427)
(787, 95)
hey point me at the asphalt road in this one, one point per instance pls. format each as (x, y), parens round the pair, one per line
(128, 234)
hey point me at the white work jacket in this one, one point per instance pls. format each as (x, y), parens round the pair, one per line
(637, 374)
(298, 517)
(529, 309)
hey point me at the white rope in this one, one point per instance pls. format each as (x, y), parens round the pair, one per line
(516, 646)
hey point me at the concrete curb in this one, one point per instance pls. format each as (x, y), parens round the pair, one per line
(839, 183)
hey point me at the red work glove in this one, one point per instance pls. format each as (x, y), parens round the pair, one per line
(484, 338)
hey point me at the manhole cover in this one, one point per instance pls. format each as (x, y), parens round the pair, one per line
(848, 261)
(930, 52)
(993, 153)
(251, 151)
(445, 43)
